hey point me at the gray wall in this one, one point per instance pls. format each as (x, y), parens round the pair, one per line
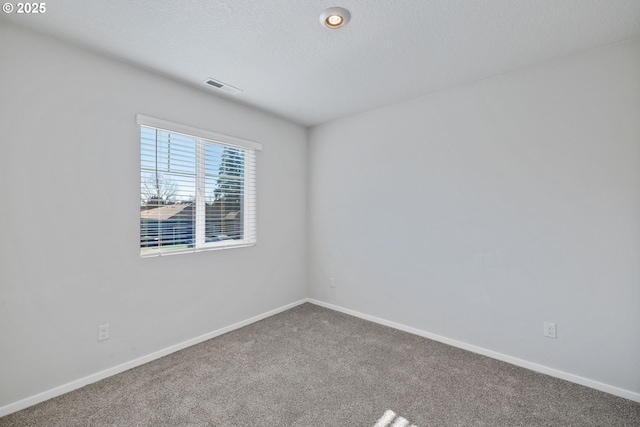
(479, 212)
(475, 213)
(69, 220)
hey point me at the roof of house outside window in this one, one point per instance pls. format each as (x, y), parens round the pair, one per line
(168, 212)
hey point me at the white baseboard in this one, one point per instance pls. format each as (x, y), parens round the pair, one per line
(73, 385)
(616, 391)
(66, 388)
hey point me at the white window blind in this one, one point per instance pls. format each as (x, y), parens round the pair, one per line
(197, 189)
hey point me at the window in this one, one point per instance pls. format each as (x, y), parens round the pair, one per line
(197, 189)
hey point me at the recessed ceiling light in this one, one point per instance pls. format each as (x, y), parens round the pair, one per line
(335, 17)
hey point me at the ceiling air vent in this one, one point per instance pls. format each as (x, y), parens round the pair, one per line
(223, 87)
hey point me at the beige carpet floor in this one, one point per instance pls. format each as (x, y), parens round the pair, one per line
(310, 366)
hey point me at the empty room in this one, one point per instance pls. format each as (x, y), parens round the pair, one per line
(409, 213)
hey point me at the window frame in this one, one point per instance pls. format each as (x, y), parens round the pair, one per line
(249, 208)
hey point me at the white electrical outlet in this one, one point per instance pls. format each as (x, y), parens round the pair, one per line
(550, 330)
(103, 332)
(332, 282)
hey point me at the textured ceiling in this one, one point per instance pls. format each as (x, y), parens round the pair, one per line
(277, 52)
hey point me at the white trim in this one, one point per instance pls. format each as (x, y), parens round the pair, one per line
(616, 391)
(66, 388)
(193, 131)
(221, 246)
(201, 207)
(73, 385)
